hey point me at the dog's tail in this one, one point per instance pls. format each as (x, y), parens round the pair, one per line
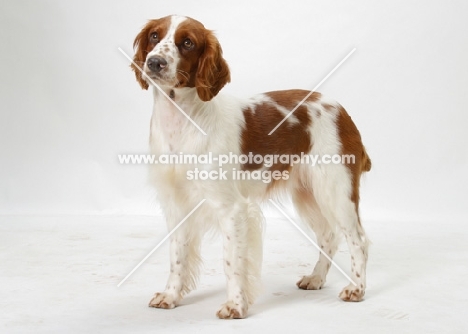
(366, 163)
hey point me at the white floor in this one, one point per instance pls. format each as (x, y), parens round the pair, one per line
(60, 274)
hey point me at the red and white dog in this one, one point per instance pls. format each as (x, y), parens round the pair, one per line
(185, 60)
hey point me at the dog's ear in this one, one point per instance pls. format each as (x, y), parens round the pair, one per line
(213, 71)
(140, 45)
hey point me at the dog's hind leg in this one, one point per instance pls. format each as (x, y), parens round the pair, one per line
(327, 238)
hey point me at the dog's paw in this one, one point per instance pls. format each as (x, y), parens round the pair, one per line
(311, 282)
(352, 294)
(163, 300)
(231, 310)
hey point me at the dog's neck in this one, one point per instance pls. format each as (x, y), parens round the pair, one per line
(169, 125)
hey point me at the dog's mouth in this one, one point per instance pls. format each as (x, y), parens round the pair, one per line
(178, 81)
(158, 77)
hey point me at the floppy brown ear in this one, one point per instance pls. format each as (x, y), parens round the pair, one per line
(140, 45)
(213, 71)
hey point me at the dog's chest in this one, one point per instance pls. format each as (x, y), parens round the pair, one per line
(167, 127)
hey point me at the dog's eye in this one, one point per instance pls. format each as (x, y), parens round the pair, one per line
(154, 37)
(188, 44)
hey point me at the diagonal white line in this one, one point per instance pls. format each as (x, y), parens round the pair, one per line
(161, 242)
(312, 91)
(313, 243)
(163, 92)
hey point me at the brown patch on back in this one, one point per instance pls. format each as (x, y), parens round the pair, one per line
(290, 138)
(290, 98)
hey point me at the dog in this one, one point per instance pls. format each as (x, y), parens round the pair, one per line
(183, 63)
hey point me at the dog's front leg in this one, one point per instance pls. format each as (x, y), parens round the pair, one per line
(185, 263)
(242, 240)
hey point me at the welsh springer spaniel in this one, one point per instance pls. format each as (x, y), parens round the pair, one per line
(183, 63)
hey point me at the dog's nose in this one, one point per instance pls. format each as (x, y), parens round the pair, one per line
(156, 64)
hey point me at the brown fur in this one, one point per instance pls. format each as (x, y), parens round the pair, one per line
(289, 138)
(352, 144)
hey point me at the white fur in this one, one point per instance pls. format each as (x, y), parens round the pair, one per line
(227, 208)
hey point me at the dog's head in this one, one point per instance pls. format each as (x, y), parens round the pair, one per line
(177, 51)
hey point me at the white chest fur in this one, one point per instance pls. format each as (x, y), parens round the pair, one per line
(176, 129)
(172, 122)
(168, 124)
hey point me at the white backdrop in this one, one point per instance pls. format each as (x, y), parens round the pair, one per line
(70, 104)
